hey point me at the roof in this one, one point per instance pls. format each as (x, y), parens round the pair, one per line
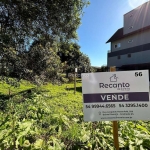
(117, 35)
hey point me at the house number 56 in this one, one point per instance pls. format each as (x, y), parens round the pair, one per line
(138, 74)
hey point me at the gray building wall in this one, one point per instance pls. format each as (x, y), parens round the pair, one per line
(137, 18)
(136, 58)
(132, 41)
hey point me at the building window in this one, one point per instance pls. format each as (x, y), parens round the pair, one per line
(130, 41)
(119, 57)
(130, 27)
(131, 15)
(129, 55)
(117, 45)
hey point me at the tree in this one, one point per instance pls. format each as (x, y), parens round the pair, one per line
(69, 53)
(72, 56)
(24, 20)
(84, 64)
(43, 62)
(104, 68)
(8, 57)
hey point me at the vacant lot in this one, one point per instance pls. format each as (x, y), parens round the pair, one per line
(50, 117)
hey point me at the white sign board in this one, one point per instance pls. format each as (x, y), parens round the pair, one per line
(122, 95)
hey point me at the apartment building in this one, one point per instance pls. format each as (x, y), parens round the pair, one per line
(130, 45)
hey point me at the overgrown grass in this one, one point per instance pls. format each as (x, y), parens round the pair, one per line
(24, 85)
(50, 117)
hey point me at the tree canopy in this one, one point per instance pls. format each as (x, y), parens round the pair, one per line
(23, 20)
(33, 34)
(70, 54)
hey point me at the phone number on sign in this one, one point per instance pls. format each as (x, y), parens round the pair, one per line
(134, 105)
(101, 106)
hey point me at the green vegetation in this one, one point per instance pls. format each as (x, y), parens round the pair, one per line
(50, 117)
(38, 44)
(38, 39)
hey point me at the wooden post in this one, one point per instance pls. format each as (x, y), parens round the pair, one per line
(115, 124)
(115, 135)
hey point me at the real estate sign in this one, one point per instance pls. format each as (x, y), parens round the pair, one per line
(122, 95)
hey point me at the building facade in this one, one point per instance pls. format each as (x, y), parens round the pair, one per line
(130, 45)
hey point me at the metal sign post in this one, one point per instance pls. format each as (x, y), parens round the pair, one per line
(115, 124)
(75, 80)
